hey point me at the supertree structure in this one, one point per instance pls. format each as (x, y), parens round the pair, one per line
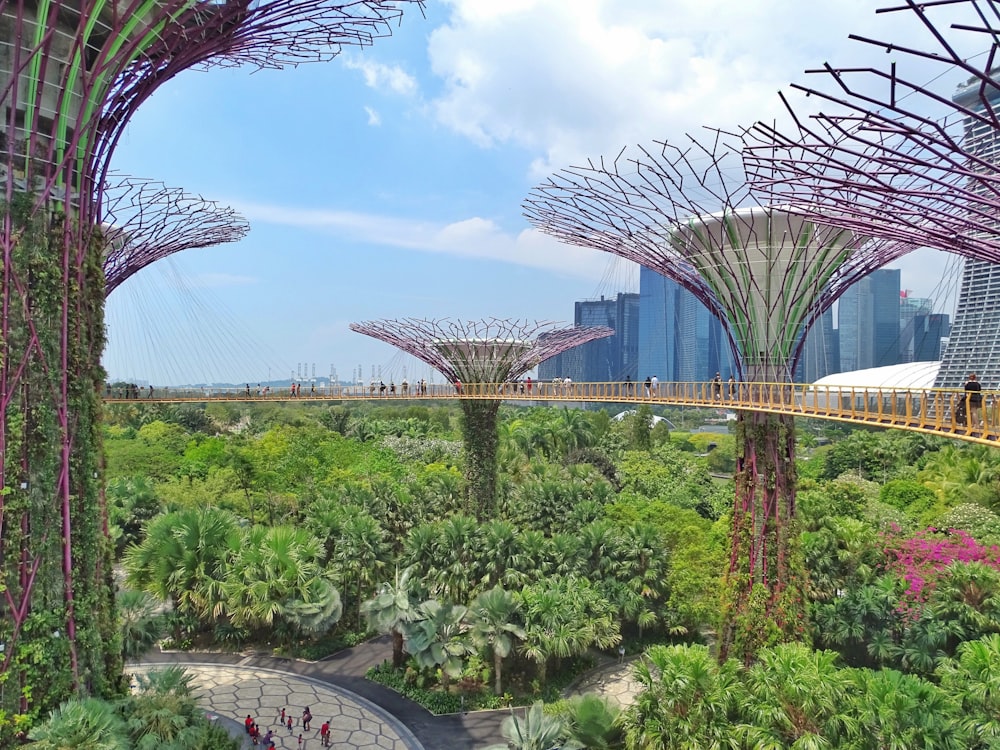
(490, 351)
(894, 156)
(687, 213)
(144, 221)
(71, 76)
(899, 157)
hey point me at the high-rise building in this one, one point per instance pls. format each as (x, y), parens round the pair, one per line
(910, 308)
(868, 322)
(614, 358)
(974, 341)
(928, 331)
(820, 352)
(679, 339)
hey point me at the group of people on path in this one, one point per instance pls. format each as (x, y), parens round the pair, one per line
(285, 721)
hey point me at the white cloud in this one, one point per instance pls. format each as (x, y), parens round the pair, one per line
(382, 77)
(373, 117)
(475, 238)
(570, 80)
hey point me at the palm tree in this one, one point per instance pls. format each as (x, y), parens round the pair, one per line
(456, 549)
(316, 610)
(391, 608)
(163, 713)
(797, 697)
(493, 627)
(500, 555)
(894, 710)
(575, 430)
(141, 621)
(563, 617)
(974, 678)
(182, 559)
(163, 709)
(536, 730)
(360, 553)
(82, 724)
(533, 550)
(132, 502)
(276, 579)
(419, 546)
(593, 722)
(687, 700)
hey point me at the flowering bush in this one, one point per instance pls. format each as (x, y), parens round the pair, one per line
(919, 560)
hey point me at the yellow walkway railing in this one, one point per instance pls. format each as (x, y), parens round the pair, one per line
(937, 411)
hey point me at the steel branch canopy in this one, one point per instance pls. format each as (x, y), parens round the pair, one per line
(687, 213)
(491, 350)
(895, 157)
(145, 221)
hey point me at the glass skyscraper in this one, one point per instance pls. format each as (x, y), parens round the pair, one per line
(868, 322)
(679, 339)
(614, 358)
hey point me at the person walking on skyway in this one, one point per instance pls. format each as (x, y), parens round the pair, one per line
(974, 401)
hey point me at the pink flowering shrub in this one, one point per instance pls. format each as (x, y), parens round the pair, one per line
(919, 560)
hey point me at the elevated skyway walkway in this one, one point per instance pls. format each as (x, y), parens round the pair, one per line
(929, 410)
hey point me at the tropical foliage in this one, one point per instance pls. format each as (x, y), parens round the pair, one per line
(602, 531)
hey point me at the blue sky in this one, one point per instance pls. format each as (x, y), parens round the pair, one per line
(388, 182)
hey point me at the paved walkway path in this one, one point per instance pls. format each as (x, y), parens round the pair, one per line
(235, 685)
(612, 681)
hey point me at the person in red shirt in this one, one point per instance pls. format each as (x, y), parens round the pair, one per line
(324, 733)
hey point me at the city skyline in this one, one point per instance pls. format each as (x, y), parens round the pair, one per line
(389, 182)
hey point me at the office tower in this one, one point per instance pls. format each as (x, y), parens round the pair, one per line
(679, 339)
(928, 331)
(614, 358)
(910, 308)
(868, 322)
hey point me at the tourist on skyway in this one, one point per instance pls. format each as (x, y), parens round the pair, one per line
(974, 401)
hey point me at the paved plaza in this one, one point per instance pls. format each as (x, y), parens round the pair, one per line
(355, 723)
(364, 714)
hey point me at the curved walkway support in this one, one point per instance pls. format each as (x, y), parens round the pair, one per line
(935, 411)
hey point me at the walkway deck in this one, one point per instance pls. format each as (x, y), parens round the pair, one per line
(930, 410)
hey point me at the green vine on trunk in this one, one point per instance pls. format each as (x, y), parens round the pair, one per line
(57, 616)
(763, 594)
(481, 440)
